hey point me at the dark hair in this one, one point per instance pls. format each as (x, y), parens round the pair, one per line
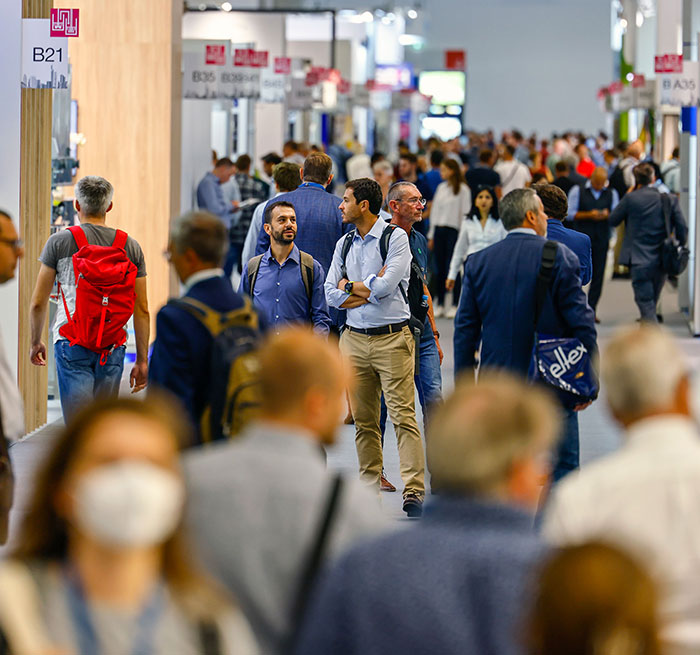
(455, 179)
(538, 178)
(643, 174)
(286, 175)
(410, 157)
(676, 153)
(366, 189)
(204, 233)
(376, 156)
(5, 214)
(267, 216)
(243, 163)
(474, 211)
(436, 157)
(271, 158)
(561, 167)
(510, 149)
(554, 200)
(485, 156)
(224, 161)
(317, 168)
(292, 145)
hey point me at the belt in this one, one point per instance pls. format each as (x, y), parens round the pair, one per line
(384, 329)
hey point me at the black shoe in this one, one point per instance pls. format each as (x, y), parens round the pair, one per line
(413, 506)
(660, 318)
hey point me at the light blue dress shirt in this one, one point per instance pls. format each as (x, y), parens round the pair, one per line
(210, 197)
(386, 302)
(575, 198)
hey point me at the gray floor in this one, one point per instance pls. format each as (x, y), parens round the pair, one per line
(598, 433)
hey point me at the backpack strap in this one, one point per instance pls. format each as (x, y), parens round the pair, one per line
(120, 240)
(307, 273)
(345, 249)
(78, 236)
(666, 209)
(253, 268)
(384, 240)
(544, 277)
(216, 322)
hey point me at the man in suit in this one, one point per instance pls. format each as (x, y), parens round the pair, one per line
(497, 306)
(645, 231)
(182, 349)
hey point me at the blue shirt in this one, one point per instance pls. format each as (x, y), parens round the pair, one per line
(577, 242)
(575, 198)
(433, 179)
(280, 295)
(210, 197)
(386, 302)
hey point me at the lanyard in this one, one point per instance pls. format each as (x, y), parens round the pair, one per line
(88, 642)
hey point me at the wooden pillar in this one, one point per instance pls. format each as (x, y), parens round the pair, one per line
(35, 221)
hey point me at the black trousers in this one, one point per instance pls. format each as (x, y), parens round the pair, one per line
(445, 239)
(599, 234)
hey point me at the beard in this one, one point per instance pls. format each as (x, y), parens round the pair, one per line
(284, 238)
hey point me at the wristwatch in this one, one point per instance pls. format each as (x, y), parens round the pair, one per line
(348, 287)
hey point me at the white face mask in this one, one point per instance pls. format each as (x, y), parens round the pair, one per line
(129, 503)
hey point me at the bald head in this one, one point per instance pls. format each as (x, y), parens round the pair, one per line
(303, 380)
(599, 177)
(635, 149)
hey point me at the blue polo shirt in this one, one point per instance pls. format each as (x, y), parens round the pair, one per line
(577, 242)
(280, 295)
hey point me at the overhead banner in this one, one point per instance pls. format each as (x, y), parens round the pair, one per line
(273, 86)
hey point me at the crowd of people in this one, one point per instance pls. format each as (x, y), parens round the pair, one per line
(309, 296)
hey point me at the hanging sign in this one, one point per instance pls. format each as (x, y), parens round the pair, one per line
(245, 78)
(668, 64)
(680, 89)
(301, 95)
(204, 68)
(455, 60)
(283, 65)
(273, 86)
(44, 57)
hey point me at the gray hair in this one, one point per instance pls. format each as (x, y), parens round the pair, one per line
(383, 165)
(480, 431)
(640, 369)
(515, 205)
(397, 189)
(94, 194)
(202, 232)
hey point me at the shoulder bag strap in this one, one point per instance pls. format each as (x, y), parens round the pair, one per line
(79, 236)
(544, 277)
(384, 240)
(120, 240)
(666, 208)
(314, 559)
(253, 268)
(307, 273)
(513, 171)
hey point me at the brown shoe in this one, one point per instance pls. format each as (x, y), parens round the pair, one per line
(385, 485)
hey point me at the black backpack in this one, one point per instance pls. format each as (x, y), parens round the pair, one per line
(234, 391)
(617, 181)
(415, 295)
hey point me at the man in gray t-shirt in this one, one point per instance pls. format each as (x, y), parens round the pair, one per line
(81, 373)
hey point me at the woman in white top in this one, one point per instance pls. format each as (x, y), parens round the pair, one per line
(481, 228)
(450, 204)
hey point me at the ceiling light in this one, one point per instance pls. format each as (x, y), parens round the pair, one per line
(412, 14)
(227, 6)
(411, 40)
(639, 19)
(367, 17)
(623, 23)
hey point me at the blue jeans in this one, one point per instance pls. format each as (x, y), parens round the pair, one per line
(567, 455)
(428, 381)
(81, 377)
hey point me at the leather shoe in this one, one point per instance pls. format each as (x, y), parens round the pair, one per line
(385, 485)
(413, 506)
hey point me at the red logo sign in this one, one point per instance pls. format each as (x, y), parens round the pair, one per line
(638, 81)
(260, 58)
(668, 64)
(344, 86)
(64, 22)
(615, 87)
(215, 55)
(283, 65)
(250, 57)
(455, 60)
(602, 92)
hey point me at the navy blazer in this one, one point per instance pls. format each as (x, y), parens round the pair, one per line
(497, 305)
(181, 355)
(645, 228)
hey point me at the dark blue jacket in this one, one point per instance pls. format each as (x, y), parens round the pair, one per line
(457, 584)
(578, 243)
(497, 304)
(181, 355)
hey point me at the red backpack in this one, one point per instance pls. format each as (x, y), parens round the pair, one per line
(104, 295)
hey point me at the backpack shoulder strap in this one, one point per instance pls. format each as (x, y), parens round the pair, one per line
(384, 240)
(307, 273)
(344, 250)
(202, 312)
(666, 209)
(253, 268)
(120, 240)
(544, 277)
(78, 236)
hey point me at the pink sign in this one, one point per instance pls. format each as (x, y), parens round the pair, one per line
(260, 58)
(64, 22)
(668, 64)
(615, 87)
(638, 81)
(602, 92)
(215, 55)
(283, 65)
(344, 86)
(250, 57)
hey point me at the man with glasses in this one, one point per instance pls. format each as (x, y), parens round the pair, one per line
(372, 286)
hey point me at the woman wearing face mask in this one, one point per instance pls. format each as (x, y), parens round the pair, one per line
(100, 566)
(480, 228)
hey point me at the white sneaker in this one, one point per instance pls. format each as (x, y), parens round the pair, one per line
(451, 312)
(438, 311)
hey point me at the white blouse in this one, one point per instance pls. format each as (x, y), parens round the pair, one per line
(448, 209)
(472, 238)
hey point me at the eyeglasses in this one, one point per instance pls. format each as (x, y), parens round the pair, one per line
(16, 244)
(412, 201)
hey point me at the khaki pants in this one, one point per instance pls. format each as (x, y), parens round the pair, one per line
(385, 363)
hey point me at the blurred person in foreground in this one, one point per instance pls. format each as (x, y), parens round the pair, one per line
(101, 564)
(593, 599)
(646, 496)
(456, 583)
(256, 504)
